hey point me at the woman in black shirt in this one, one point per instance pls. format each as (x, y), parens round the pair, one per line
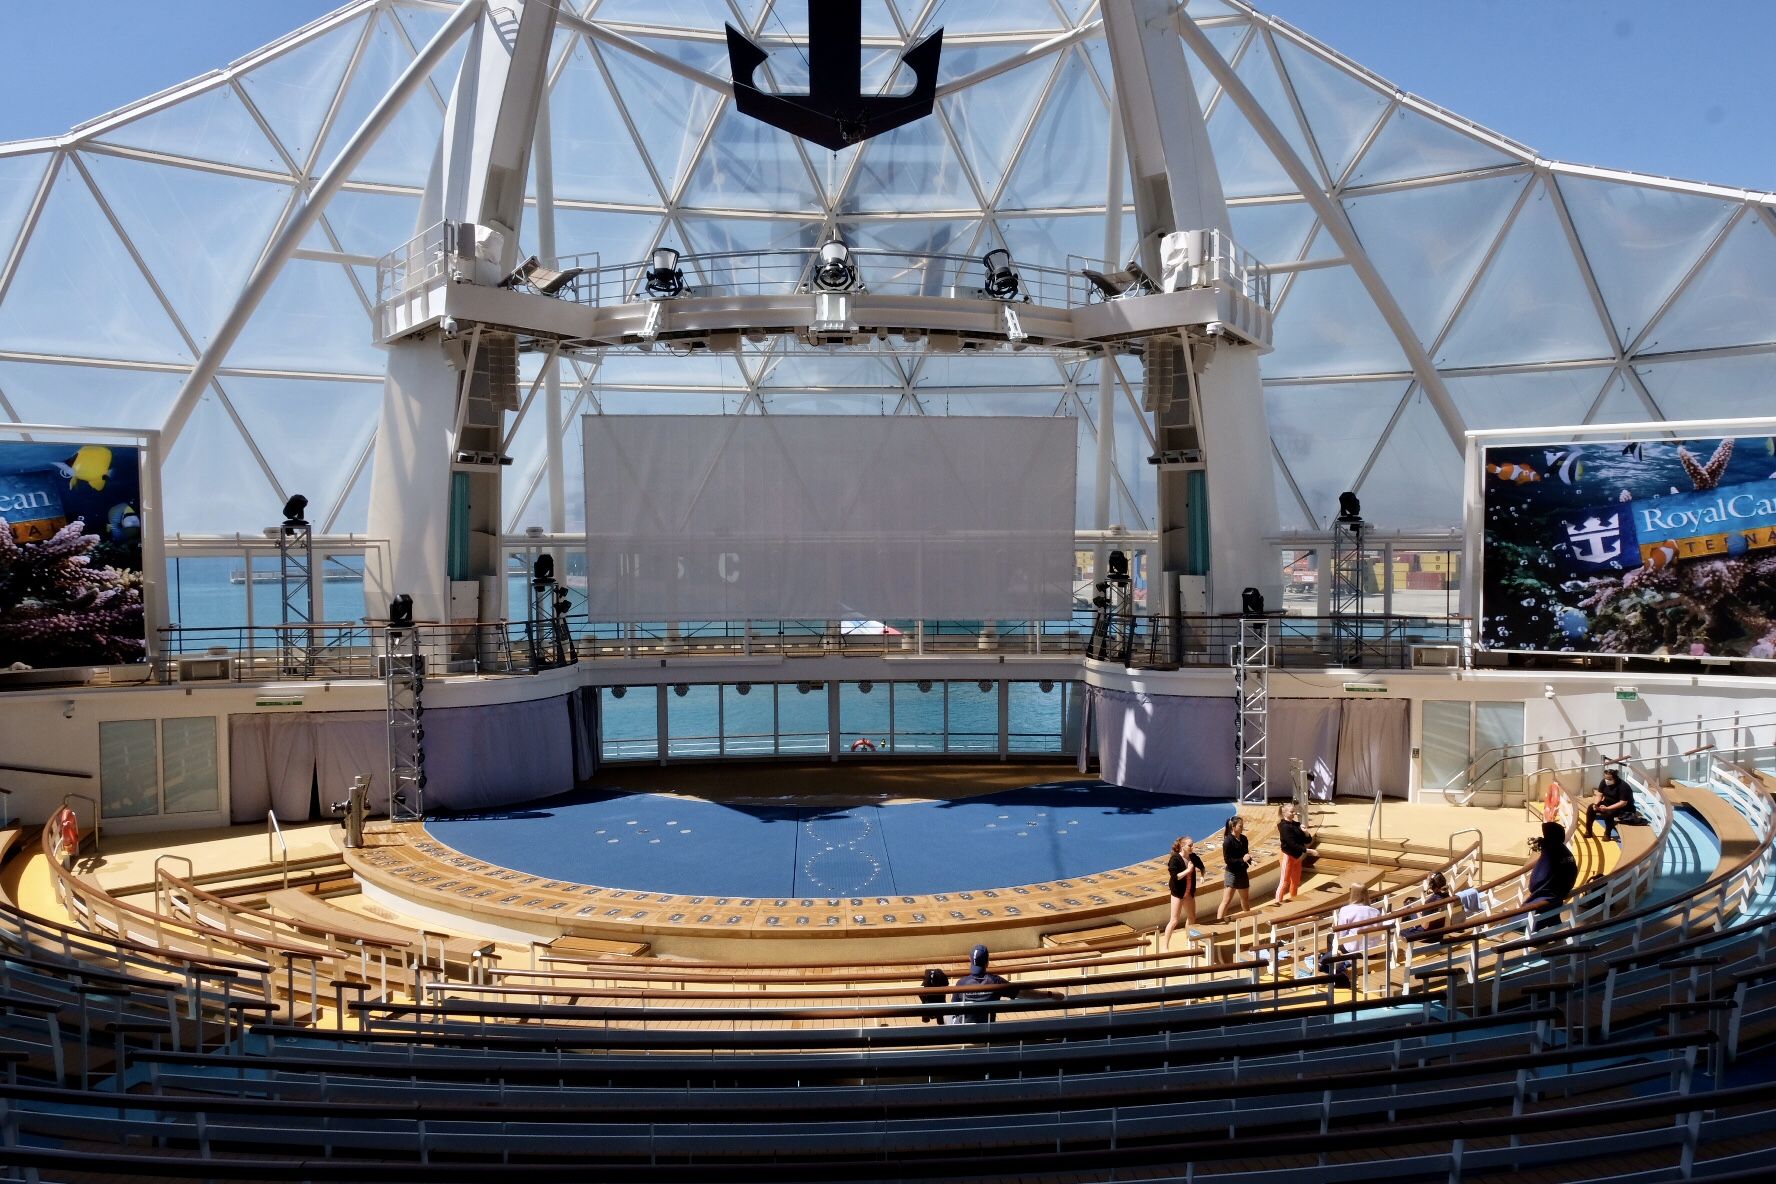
(1182, 871)
(1294, 841)
(1234, 850)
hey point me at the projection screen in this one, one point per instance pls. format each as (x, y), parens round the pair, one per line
(704, 517)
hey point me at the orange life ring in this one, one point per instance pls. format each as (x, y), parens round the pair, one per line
(69, 825)
(863, 744)
(1551, 803)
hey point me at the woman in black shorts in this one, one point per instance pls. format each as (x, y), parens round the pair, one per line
(1183, 869)
(1235, 850)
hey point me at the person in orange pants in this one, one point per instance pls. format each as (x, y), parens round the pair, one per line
(1294, 841)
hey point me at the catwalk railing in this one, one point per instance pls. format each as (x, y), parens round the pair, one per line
(343, 650)
(586, 280)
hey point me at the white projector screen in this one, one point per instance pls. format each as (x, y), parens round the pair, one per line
(705, 517)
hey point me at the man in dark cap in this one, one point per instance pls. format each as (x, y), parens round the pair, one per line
(980, 985)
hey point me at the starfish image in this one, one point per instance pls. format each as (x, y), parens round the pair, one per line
(1706, 476)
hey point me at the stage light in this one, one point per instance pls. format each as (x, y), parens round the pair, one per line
(294, 509)
(744, 688)
(563, 604)
(1118, 564)
(401, 612)
(1349, 508)
(924, 686)
(664, 278)
(681, 689)
(618, 692)
(1002, 280)
(1100, 602)
(865, 687)
(835, 272)
(1252, 603)
(543, 570)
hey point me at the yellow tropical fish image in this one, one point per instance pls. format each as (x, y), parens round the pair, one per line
(1517, 473)
(92, 464)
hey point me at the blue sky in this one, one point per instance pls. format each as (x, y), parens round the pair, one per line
(1675, 88)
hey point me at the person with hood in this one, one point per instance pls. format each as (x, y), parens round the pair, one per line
(1556, 871)
(980, 985)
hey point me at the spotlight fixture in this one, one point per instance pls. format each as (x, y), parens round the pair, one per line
(618, 692)
(835, 272)
(294, 509)
(1349, 508)
(1002, 279)
(1118, 564)
(401, 612)
(664, 278)
(543, 570)
(563, 603)
(1251, 603)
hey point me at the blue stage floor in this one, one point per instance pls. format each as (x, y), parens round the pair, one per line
(658, 843)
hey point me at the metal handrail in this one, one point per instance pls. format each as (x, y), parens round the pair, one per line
(1580, 741)
(272, 827)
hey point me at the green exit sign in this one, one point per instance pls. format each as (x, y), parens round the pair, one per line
(1628, 694)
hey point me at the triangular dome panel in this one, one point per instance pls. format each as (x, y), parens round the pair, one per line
(199, 232)
(749, 165)
(911, 168)
(1341, 109)
(294, 91)
(1258, 70)
(1621, 404)
(351, 515)
(372, 224)
(718, 235)
(1225, 38)
(1713, 388)
(210, 483)
(1329, 325)
(89, 394)
(78, 292)
(593, 154)
(211, 125)
(1530, 398)
(1428, 242)
(1247, 167)
(1066, 159)
(312, 320)
(1532, 303)
(989, 117)
(403, 152)
(1275, 233)
(1731, 301)
(1414, 145)
(1640, 242)
(336, 418)
(19, 178)
(1416, 480)
(671, 114)
(1326, 432)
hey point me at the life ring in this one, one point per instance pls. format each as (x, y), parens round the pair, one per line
(69, 826)
(1553, 803)
(863, 744)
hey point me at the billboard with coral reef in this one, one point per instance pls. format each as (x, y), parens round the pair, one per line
(1643, 547)
(70, 555)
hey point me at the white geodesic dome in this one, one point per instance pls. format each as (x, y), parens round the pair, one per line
(1542, 293)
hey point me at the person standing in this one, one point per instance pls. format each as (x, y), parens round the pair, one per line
(1183, 870)
(1294, 840)
(1235, 849)
(1555, 873)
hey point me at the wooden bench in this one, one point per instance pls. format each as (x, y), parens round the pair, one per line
(464, 952)
(570, 948)
(1111, 934)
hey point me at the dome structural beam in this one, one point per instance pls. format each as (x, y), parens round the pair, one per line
(1337, 223)
(289, 240)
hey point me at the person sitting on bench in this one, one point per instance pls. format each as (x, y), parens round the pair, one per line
(1615, 801)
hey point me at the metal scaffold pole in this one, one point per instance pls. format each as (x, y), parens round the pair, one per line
(1251, 679)
(1348, 586)
(295, 543)
(404, 679)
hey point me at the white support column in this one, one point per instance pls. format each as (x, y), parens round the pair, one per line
(1107, 372)
(490, 127)
(1176, 187)
(552, 422)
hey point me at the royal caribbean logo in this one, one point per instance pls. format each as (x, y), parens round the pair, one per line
(1707, 524)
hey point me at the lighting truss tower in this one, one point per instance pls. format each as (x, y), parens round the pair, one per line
(295, 542)
(1113, 627)
(1251, 681)
(550, 642)
(404, 679)
(1347, 590)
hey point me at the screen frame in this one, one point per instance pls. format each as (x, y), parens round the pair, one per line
(1473, 507)
(147, 443)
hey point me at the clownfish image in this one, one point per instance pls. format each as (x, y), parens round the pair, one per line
(1510, 471)
(92, 464)
(1663, 555)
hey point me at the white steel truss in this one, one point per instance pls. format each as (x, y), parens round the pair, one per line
(1394, 333)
